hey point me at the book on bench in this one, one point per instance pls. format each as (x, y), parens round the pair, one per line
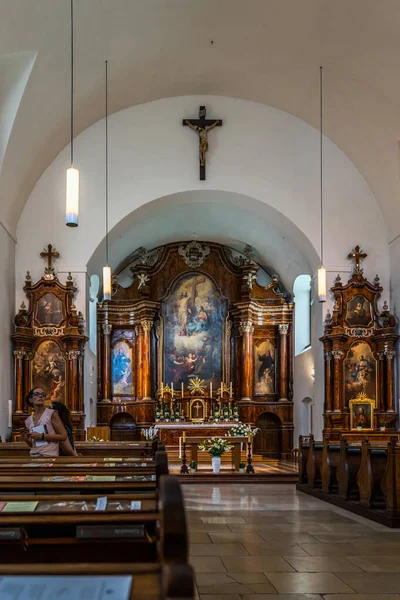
(110, 531)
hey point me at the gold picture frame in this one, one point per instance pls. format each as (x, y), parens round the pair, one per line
(361, 412)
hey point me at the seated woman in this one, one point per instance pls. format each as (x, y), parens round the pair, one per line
(46, 419)
(67, 448)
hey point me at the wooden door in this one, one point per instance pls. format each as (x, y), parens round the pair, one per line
(268, 441)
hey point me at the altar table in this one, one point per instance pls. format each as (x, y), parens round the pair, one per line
(236, 442)
(169, 433)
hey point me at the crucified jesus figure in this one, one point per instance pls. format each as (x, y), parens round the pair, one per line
(203, 141)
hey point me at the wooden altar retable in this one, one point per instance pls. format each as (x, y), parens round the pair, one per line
(236, 442)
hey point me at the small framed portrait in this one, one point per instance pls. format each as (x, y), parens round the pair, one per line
(359, 312)
(49, 310)
(361, 414)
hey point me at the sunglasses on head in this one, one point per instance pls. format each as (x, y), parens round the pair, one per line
(39, 395)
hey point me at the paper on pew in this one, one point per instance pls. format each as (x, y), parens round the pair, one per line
(20, 507)
(66, 587)
(99, 478)
(113, 459)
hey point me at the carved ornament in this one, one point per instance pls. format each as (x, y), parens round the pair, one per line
(250, 279)
(143, 279)
(194, 254)
(338, 354)
(390, 354)
(246, 327)
(107, 328)
(283, 329)
(328, 355)
(20, 354)
(49, 331)
(358, 332)
(147, 325)
(73, 354)
(148, 259)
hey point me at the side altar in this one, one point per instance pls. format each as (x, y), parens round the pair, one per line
(198, 333)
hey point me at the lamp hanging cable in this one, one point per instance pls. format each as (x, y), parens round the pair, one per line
(72, 178)
(321, 270)
(107, 268)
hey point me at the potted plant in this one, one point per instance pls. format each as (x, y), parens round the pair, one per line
(242, 467)
(382, 425)
(359, 425)
(150, 433)
(216, 446)
(193, 466)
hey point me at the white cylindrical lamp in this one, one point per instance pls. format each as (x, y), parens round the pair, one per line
(107, 283)
(72, 197)
(322, 284)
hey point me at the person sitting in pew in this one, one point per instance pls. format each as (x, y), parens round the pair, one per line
(44, 429)
(67, 448)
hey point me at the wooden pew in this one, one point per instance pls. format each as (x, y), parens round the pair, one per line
(304, 446)
(369, 477)
(391, 479)
(98, 449)
(347, 470)
(314, 463)
(155, 535)
(330, 461)
(36, 480)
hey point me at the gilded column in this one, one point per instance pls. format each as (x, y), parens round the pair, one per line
(338, 356)
(107, 329)
(246, 330)
(328, 381)
(19, 380)
(73, 380)
(146, 367)
(283, 362)
(390, 354)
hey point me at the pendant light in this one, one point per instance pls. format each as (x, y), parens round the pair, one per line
(321, 270)
(72, 181)
(107, 268)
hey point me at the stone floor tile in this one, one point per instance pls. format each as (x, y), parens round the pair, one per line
(225, 588)
(265, 520)
(285, 539)
(374, 549)
(220, 597)
(247, 578)
(341, 536)
(385, 564)
(309, 583)
(223, 520)
(257, 564)
(388, 536)
(217, 550)
(361, 597)
(199, 527)
(199, 538)
(338, 527)
(229, 537)
(262, 588)
(214, 578)
(331, 549)
(372, 583)
(301, 528)
(272, 549)
(207, 564)
(287, 597)
(321, 564)
(253, 527)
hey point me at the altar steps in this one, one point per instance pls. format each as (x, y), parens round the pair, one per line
(204, 457)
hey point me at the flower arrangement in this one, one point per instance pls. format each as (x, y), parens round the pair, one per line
(96, 439)
(150, 433)
(242, 430)
(382, 423)
(215, 446)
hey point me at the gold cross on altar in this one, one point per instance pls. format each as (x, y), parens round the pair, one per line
(357, 255)
(50, 255)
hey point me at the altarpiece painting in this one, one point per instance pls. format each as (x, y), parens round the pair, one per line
(264, 368)
(48, 370)
(360, 371)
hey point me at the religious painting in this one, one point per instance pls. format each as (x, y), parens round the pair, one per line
(360, 372)
(264, 368)
(48, 370)
(123, 334)
(361, 413)
(359, 312)
(49, 310)
(193, 329)
(121, 368)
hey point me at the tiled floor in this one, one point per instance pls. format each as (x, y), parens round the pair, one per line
(265, 541)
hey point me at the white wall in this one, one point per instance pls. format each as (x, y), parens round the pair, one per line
(7, 311)
(260, 152)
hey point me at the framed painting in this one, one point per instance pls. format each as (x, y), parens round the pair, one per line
(49, 310)
(359, 312)
(360, 372)
(264, 368)
(121, 368)
(361, 414)
(48, 370)
(193, 331)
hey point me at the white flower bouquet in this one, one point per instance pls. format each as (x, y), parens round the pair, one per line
(150, 433)
(242, 430)
(215, 446)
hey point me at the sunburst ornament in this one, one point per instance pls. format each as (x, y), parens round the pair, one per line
(364, 396)
(197, 386)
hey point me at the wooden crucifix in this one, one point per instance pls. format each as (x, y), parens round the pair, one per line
(202, 126)
(50, 255)
(357, 255)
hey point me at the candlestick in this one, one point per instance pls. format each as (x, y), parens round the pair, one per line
(162, 389)
(184, 436)
(172, 389)
(182, 390)
(210, 389)
(249, 437)
(230, 390)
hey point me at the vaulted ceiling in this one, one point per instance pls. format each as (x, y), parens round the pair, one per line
(263, 50)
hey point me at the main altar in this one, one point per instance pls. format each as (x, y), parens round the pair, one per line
(196, 340)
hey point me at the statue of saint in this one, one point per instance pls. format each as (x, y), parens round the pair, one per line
(202, 133)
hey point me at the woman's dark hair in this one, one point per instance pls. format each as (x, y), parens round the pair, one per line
(28, 397)
(63, 412)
